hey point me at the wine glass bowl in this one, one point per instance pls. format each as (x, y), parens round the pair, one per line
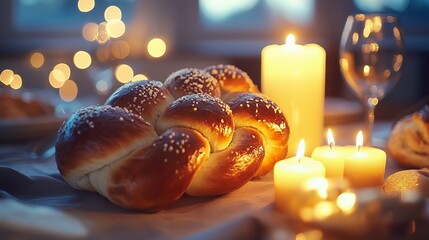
(371, 58)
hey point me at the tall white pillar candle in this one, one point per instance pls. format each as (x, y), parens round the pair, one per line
(293, 76)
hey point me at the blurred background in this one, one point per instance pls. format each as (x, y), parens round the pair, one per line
(88, 48)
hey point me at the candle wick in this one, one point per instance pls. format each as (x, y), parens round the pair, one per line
(358, 147)
(331, 145)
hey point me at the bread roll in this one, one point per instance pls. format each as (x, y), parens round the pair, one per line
(257, 111)
(190, 81)
(406, 180)
(157, 176)
(119, 155)
(227, 170)
(232, 80)
(208, 115)
(95, 137)
(145, 98)
(408, 143)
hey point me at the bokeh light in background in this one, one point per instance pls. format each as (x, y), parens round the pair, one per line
(59, 75)
(82, 59)
(68, 92)
(90, 31)
(86, 5)
(156, 47)
(37, 59)
(139, 77)
(112, 13)
(102, 87)
(124, 73)
(55, 78)
(115, 28)
(65, 69)
(16, 82)
(102, 35)
(102, 54)
(120, 49)
(6, 76)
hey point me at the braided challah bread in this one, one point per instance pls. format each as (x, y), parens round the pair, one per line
(151, 142)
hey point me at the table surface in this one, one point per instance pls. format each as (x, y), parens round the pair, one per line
(36, 203)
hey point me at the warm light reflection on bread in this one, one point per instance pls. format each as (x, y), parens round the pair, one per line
(152, 142)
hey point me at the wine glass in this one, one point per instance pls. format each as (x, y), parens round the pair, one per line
(371, 58)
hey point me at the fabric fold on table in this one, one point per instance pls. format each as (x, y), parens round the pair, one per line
(212, 218)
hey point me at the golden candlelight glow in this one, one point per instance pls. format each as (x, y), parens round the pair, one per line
(398, 62)
(360, 17)
(308, 235)
(124, 73)
(397, 33)
(324, 209)
(6, 76)
(355, 38)
(290, 40)
(112, 13)
(82, 59)
(58, 75)
(115, 28)
(373, 101)
(16, 82)
(37, 59)
(139, 77)
(368, 28)
(346, 201)
(331, 141)
(90, 31)
(65, 70)
(366, 69)
(68, 91)
(359, 141)
(344, 64)
(301, 150)
(86, 5)
(377, 24)
(320, 184)
(156, 47)
(56, 83)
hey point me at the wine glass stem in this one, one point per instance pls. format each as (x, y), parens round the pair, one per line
(370, 122)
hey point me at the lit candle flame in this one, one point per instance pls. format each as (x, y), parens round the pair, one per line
(290, 40)
(359, 141)
(301, 150)
(331, 141)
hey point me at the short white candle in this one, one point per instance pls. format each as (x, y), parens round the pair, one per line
(364, 166)
(331, 156)
(291, 173)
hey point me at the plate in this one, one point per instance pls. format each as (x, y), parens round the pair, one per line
(26, 128)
